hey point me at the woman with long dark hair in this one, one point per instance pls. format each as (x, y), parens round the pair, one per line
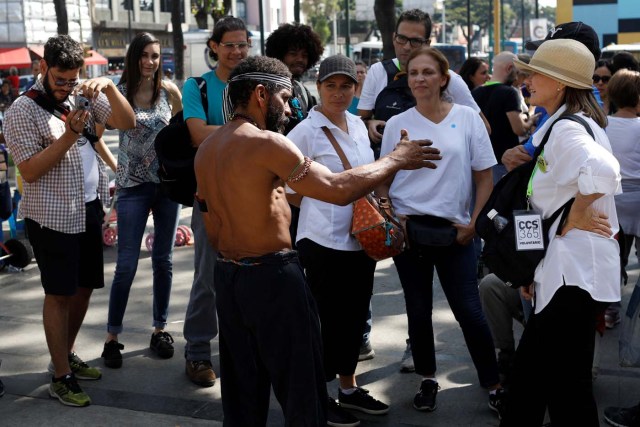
(475, 72)
(154, 101)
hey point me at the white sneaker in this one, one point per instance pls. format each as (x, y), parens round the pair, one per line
(406, 364)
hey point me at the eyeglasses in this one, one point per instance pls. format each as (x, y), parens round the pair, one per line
(62, 82)
(415, 42)
(241, 45)
(597, 78)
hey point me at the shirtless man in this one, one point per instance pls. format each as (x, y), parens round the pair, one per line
(269, 329)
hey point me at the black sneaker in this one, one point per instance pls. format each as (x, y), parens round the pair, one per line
(111, 354)
(361, 400)
(425, 399)
(338, 417)
(161, 343)
(623, 417)
(497, 401)
(366, 352)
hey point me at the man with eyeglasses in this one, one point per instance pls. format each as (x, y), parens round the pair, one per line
(413, 30)
(229, 45)
(65, 184)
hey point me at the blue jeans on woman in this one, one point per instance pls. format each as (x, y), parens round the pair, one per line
(456, 269)
(134, 205)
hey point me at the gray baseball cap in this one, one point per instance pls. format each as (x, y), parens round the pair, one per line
(337, 64)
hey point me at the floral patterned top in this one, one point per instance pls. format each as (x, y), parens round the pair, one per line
(137, 161)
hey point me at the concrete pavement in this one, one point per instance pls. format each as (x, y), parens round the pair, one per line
(155, 392)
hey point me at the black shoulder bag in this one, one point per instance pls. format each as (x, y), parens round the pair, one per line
(496, 226)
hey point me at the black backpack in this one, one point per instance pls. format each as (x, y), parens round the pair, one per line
(176, 155)
(396, 97)
(516, 268)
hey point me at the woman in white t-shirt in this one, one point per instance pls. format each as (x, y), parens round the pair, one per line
(623, 131)
(577, 277)
(338, 271)
(440, 200)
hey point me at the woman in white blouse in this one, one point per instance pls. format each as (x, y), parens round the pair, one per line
(578, 276)
(623, 131)
(338, 271)
(440, 199)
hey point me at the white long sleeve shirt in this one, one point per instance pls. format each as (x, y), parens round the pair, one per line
(577, 163)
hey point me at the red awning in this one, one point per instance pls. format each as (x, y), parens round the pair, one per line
(15, 57)
(38, 49)
(95, 58)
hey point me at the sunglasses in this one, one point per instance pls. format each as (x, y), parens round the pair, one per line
(241, 45)
(415, 42)
(597, 78)
(62, 82)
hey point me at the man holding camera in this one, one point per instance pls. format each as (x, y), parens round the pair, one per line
(65, 181)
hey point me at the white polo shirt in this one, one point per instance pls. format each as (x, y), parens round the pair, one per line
(577, 163)
(324, 223)
(376, 80)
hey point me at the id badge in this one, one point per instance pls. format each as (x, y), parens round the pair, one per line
(529, 233)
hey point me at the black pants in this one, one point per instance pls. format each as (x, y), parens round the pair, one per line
(552, 368)
(342, 283)
(269, 336)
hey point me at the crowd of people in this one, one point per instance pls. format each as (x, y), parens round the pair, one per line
(292, 304)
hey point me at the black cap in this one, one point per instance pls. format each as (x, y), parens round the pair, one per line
(578, 31)
(337, 64)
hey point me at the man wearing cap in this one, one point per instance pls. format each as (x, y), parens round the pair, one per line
(500, 103)
(578, 31)
(269, 329)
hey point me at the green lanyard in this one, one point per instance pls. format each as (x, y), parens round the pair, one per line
(539, 160)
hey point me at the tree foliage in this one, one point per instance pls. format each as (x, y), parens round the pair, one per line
(319, 13)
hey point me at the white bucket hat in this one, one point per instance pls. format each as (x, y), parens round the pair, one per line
(564, 60)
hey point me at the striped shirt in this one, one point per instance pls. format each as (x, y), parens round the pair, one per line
(56, 199)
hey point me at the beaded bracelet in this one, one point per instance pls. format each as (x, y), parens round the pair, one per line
(306, 163)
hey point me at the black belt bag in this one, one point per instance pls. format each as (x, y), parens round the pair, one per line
(428, 230)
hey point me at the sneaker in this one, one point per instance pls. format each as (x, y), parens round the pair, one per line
(161, 343)
(497, 401)
(80, 369)
(68, 392)
(366, 352)
(406, 364)
(200, 372)
(338, 417)
(425, 399)
(111, 354)
(361, 400)
(623, 417)
(611, 319)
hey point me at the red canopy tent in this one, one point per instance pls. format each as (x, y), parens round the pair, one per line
(14, 57)
(95, 58)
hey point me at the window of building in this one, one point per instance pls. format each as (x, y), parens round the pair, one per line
(146, 5)
(241, 10)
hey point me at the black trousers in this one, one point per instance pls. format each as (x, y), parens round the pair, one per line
(342, 283)
(269, 337)
(552, 368)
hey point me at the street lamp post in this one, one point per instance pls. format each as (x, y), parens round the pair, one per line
(444, 22)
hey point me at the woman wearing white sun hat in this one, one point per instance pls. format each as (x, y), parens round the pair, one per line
(573, 282)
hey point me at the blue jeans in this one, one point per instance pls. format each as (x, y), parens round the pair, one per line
(455, 265)
(134, 205)
(201, 321)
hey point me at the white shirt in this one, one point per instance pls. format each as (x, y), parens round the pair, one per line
(91, 171)
(324, 223)
(444, 192)
(376, 80)
(624, 135)
(577, 163)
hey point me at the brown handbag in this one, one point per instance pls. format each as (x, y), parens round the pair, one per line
(374, 225)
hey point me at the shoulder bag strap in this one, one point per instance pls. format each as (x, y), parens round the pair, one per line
(336, 146)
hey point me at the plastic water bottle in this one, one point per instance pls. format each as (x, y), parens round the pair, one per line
(499, 222)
